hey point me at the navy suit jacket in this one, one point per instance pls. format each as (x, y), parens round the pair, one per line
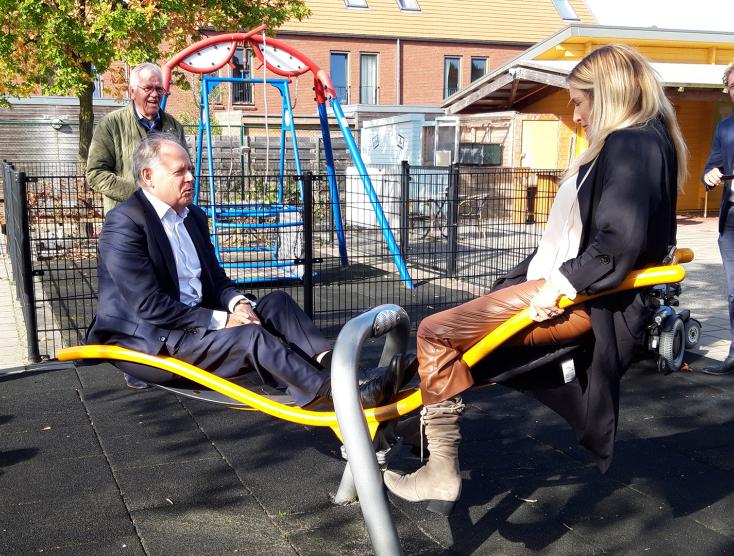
(722, 157)
(139, 305)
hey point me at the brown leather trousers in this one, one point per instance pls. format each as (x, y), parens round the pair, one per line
(444, 337)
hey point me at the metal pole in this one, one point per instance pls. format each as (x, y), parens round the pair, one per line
(452, 219)
(404, 206)
(372, 195)
(308, 243)
(393, 320)
(29, 295)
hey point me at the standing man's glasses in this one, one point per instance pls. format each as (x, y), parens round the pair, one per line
(160, 90)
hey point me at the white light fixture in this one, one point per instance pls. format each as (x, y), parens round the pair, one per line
(57, 123)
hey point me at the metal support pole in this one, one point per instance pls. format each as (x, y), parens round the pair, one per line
(404, 206)
(452, 219)
(308, 243)
(372, 195)
(29, 295)
(385, 319)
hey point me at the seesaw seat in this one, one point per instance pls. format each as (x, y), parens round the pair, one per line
(227, 392)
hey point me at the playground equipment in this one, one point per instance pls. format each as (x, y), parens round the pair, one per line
(210, 55)
(360, 430)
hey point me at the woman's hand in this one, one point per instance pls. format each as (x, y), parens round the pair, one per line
(544, 305)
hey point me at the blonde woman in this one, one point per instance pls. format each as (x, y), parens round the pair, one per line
(614, 212)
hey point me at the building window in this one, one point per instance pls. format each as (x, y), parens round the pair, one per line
(409, 5)
(241, 67)
(339, 75)
(451, 68)
(478, 68)
(98, 84)
(564, 9)
(368, 79)
(356, 3)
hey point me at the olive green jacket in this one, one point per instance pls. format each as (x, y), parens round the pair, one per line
(109, 165)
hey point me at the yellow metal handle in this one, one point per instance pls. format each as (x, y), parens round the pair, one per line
(637, 279)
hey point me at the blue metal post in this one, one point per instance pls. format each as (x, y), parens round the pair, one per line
(290, 125)
(333, 189)
(370, 190)
(199, 153)
(205, 90)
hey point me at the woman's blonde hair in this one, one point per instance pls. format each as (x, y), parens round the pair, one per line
(624, 91)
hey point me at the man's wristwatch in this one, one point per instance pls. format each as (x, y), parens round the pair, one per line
(246, 301)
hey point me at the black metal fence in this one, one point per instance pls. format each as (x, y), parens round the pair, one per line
(456, 229)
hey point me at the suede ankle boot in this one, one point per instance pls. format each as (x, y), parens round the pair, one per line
(438, 482)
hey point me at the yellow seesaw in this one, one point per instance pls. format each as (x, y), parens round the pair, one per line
(406, 401)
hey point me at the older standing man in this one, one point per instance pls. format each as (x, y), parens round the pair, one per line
(109, 165)
(719, 163)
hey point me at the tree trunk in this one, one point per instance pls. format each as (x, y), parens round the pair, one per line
(86, 123)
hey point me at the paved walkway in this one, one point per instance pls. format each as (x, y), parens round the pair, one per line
(704, 291)
(13, 350)
(88, 467)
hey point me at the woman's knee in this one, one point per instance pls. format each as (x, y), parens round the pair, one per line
(430, 327)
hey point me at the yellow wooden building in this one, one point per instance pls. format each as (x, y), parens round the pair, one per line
(524, 104)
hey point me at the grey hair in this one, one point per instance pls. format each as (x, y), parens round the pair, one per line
(147, 153)
(727, 73)
(140, 68)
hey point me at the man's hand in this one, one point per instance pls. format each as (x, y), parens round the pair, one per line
(712, 178)
(544, 305)
(243, 314)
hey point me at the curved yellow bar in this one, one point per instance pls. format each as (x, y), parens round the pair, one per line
(636, 279)
(374, 416)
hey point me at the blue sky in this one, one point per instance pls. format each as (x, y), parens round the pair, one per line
(703, 15)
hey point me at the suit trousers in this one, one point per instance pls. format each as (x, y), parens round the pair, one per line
(281, 350)
(444, 337)
(726, 247)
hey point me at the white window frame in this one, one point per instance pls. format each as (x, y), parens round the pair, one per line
(565, 10)
(471, 67)
(361, 4)
(347, 57)
(408, 5)
(376, 75)
(446, 76)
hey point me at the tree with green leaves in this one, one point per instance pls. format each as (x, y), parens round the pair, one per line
(58, 47)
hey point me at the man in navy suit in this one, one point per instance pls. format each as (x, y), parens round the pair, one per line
(721, 162)
(162, 290)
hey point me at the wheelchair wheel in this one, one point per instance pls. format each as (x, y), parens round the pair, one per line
(693, 333)
(672, 346)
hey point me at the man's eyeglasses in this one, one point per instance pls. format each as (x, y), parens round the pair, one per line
(148, 90)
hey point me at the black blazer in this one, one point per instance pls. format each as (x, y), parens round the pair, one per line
(627, 208)
(722, 157)
(139, 305)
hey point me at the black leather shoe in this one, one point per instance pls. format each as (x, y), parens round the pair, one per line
(379, 388)
(724, 368)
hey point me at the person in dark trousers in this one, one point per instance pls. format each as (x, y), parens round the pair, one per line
(614, 212)
(162, 291)
(720, 163)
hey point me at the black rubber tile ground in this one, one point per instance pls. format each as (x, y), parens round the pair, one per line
(88, 466)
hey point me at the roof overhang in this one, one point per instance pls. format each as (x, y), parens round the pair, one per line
(526, 78)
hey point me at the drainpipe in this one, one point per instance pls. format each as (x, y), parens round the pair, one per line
(398, 69)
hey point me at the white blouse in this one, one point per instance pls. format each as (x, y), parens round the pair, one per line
(561, 238)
